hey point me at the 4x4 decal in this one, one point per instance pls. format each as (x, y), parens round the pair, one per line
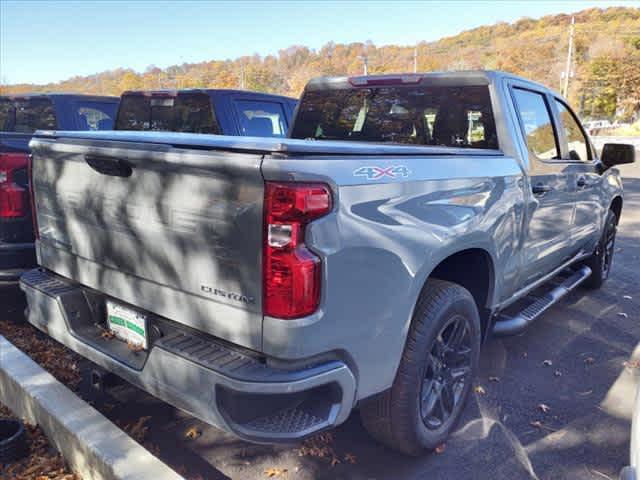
(376, 173)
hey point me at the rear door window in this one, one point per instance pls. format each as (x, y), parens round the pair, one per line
(184, 112)
(417, 115)
(261, 119)
(95, 115)
(537, 124)
(26, 115)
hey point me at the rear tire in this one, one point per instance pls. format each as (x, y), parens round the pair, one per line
(434, 377)
(600, 261)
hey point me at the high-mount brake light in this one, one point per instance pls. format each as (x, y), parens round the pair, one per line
(149, 93)
(291, 272)
(386, 80)
(13, 197)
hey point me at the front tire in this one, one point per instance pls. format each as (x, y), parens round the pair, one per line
(434, 377)
(600, 261)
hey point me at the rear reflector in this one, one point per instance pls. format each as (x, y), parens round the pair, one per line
(13, 197)
(291, 272)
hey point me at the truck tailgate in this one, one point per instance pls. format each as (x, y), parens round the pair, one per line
(174, 231)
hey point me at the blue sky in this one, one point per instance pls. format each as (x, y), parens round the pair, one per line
(44, 41)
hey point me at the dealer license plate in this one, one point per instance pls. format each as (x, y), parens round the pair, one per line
(127, 324)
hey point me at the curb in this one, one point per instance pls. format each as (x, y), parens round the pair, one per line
(92, 445)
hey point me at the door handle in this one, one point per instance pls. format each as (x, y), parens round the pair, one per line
(540, 189)
(582, 182)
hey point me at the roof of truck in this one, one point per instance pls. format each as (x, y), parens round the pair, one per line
(84, 96)
(448, 78)
(208, 91)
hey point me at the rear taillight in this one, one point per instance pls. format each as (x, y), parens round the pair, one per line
(291, 272)
(13, 197)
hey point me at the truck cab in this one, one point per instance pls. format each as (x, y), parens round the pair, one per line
(213, 111)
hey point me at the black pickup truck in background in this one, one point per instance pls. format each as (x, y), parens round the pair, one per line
(20, 117)
(223, 112)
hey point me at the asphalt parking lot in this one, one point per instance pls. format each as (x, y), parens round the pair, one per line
(554, 402)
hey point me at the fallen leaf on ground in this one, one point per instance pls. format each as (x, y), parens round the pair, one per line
(193, 433)
(318, 446)
(589, 361)
(627, 297)
(494, 379)
(351, 458)
(441, 448)
(585, 393)
(335, 461)
(480, 390)
(275, 472)
(623, 315)
(107, 334)
(547, 363)
(544, 408)
(525, 354)
(135, 347)
(557, 373)
(633, 364)
(138, 430)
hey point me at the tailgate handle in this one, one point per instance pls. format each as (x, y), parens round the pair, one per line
(116, 167)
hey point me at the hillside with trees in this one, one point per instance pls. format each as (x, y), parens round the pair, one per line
(605, 79)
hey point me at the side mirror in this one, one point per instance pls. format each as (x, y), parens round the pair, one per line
(617, 154)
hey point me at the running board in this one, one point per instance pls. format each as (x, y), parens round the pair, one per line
(511, 325)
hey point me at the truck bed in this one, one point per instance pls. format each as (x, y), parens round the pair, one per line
(171, 223)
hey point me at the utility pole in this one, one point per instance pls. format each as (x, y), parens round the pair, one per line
(415, 60)
(365, 63)
(567, 70)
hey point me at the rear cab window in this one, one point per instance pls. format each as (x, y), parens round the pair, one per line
(261, 118)
(95, 115)
(26, 115)
(451, 116)
(188, 112)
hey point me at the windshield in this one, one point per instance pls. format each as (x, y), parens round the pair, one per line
(184, 112)
(417, 115)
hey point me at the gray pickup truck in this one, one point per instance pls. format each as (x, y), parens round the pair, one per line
(270, 286)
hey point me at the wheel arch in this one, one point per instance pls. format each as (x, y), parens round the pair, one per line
(448, 267)
(616, 206)
(456, 267)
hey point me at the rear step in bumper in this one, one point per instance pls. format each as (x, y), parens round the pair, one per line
(516, 324)
(200, 375)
